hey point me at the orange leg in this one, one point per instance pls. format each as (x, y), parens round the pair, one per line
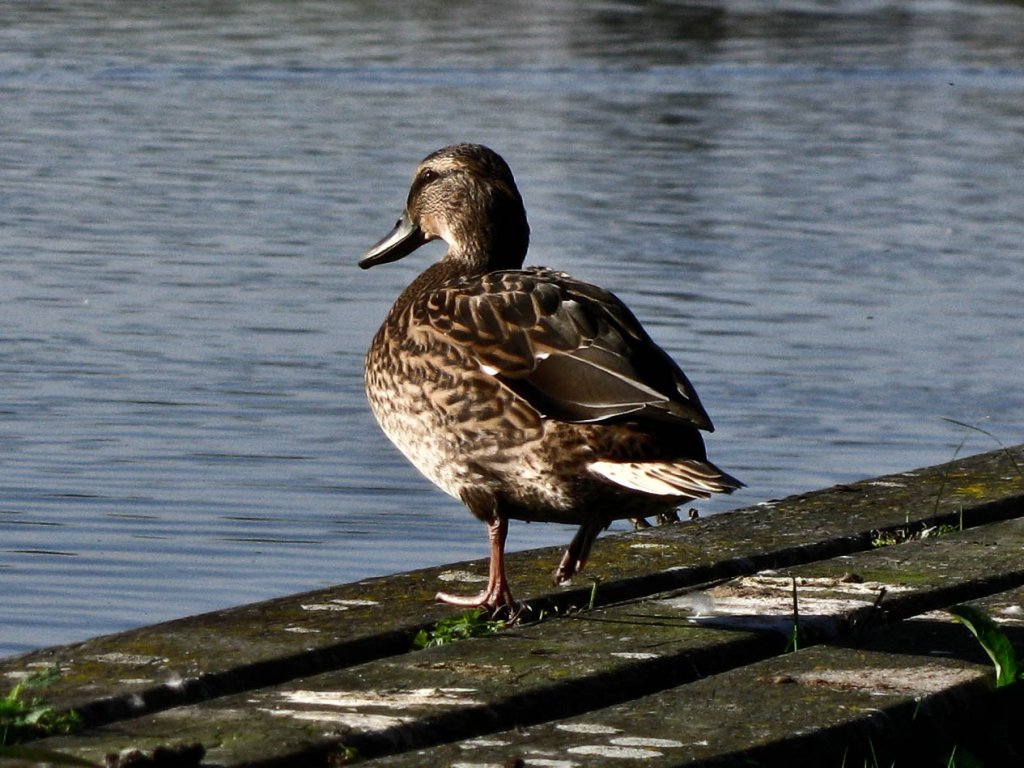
(497, 595)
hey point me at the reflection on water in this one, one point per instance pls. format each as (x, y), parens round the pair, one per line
(816, 209)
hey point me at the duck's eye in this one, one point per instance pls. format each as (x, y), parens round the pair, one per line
(428, 175)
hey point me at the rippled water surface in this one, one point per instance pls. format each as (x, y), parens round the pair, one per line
(817, 209)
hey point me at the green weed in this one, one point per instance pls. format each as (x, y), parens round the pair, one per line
(883, 539)
(23, 719)
(470, 624)
(892, 536)
(994, 640)
(793, 644)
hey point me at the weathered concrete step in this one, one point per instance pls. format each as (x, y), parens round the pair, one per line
(254, 646)
(570, 665)
(913, 693)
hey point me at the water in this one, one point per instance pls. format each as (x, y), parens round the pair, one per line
(815, 208)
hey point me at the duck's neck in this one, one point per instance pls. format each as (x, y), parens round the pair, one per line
(502, 245)
(479, 257)
(493, 237)
(495, 240)
(461, 264)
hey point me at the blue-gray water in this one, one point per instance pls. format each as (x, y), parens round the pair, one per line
(816, 208)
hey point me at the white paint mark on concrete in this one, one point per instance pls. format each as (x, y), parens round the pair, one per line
(623, 753)
(464, 577)
(1011, 614)
(942, 617)
(416, 697)
(21, 674)
(359, 720)
(302, 630)
(765, 602)
(636, 655)
(477, 743)
(697, 603)
(640, 741)
(338, 604)
(587, 728)
(127, 658)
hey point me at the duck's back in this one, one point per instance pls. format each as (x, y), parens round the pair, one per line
(540, 388)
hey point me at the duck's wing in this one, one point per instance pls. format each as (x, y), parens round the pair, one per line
(570, 349)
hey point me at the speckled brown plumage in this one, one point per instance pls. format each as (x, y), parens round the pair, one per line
(525, 393)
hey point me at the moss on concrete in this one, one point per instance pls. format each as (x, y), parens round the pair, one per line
(317, 674)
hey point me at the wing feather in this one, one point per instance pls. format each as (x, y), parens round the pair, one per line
(570, 349)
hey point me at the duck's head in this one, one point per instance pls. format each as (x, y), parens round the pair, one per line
(465, 195)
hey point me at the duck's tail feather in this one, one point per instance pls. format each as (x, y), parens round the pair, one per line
(688, 478)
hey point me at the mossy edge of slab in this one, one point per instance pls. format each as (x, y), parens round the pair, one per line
(553, 669)
(222, 652)
(914, 689)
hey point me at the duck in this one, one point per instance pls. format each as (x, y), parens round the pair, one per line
(523, 392)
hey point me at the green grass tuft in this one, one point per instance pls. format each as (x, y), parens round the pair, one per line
(23, 719)
(470, 624)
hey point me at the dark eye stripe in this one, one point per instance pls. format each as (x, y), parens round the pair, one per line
(425, 177)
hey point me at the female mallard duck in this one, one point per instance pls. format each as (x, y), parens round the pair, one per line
(525, 393)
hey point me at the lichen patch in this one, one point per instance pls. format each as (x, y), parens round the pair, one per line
(888, 681)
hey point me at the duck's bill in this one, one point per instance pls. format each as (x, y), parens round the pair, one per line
(405, 238)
